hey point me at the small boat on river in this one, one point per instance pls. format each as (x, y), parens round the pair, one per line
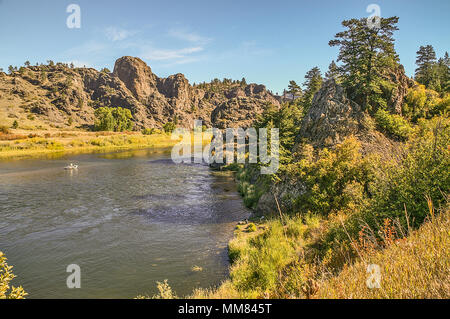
(71, 167)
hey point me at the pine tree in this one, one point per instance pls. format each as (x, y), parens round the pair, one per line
(312, 84)
(443, 71)
(333, 72)
(366, 55)
(294, 89)
(426, 62)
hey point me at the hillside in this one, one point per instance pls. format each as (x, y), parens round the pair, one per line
(60, 96)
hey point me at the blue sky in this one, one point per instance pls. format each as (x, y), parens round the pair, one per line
(268, 42)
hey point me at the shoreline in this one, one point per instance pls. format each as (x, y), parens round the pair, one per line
(42, 144)
(19, 145)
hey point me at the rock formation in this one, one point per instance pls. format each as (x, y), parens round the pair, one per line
(55, 93)
(331, 118)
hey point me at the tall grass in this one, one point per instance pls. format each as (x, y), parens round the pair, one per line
(417, 267)
(24, 146)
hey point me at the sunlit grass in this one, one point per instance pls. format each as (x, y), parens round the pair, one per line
(19, 145)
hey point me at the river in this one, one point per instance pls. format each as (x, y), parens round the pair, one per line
(128, 219)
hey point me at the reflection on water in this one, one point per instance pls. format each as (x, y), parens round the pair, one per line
(128, 219)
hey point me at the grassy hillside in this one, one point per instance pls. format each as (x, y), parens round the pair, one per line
(277, 261)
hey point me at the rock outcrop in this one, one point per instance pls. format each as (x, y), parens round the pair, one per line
(403, 83)
(57, 93)
(331, 118)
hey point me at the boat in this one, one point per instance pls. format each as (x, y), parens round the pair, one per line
(71, 167)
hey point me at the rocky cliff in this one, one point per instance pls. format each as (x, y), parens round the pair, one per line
(331, 118)
(58, 94)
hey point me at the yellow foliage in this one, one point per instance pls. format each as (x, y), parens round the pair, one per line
(6, 275)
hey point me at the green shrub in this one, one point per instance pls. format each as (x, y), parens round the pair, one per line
(393, 124)
(113, 119)
(169, 127)
(15, 124)
(402, 189)
(251, 185)
(334, 180)
(150, 131)
(421, 171)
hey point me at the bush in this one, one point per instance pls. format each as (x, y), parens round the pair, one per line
(334, 180)
(424, 103)
(393, 124)
(113, 119)
(150, 131)
(169, 127)
(251, 185)
(6, 291)
(402, 189)
(15, 124)
(421, 171)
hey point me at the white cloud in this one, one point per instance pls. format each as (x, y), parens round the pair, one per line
(87, 48)
(188, 36)
(117, 34)
(162, 54)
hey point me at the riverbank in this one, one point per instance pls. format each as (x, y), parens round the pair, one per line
(25, 144)
(19, 144)
(274, 259)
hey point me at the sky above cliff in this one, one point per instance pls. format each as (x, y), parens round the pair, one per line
(268, 42)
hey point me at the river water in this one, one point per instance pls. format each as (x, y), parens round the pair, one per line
(128, 219)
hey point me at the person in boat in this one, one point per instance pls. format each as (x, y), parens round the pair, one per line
(71, 166)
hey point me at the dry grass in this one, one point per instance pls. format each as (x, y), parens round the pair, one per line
(275, 262)
(417, 267)
(19, 144)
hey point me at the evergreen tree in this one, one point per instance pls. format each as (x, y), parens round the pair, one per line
(333, 72)
(444, 73)
(294, 89)
(312, 84)
(426, 62)
(366, 55)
